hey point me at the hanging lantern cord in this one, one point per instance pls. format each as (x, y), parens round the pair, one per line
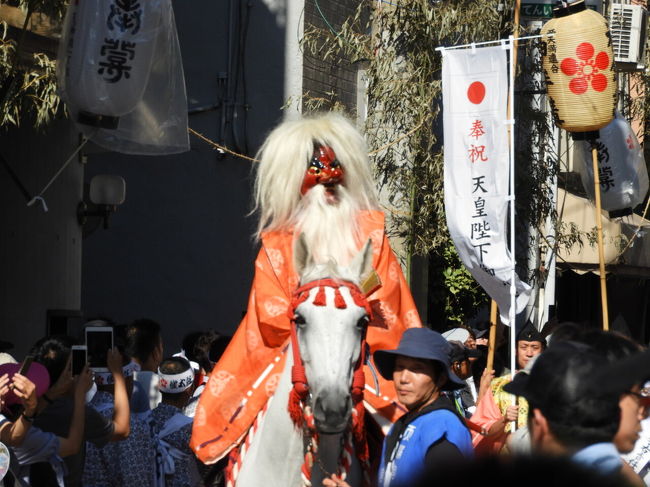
(39, 197)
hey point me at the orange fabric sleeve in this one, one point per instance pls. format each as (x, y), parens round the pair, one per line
(249, 370)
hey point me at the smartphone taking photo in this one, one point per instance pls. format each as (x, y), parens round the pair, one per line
(78, 358)
(24, 367)
(99, 340)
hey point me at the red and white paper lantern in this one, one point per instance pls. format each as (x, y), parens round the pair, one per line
(578, 66)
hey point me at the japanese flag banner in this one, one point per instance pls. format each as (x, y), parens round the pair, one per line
(474, 91)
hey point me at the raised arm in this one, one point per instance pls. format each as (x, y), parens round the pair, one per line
(121, 412)
(13, 433)
(59, 389)
(70, 445)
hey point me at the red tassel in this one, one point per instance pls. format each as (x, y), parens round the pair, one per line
(295, 409)
(359, 432)
(358, 384)
(339, 302)
(320, 299)
(298, 394)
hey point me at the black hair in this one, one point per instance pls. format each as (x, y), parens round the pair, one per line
(611, 345)
(52, 352)
(142, 338)
(205, 347)
(566, 330)
(441, 377)
(577, 414)
(172, 366)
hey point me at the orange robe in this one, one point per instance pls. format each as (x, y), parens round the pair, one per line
(249, 370)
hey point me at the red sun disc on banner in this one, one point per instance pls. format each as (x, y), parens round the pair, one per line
(476, 92)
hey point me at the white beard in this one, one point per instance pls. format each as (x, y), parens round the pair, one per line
(330, 229)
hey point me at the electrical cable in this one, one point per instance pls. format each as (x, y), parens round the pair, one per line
(337, 34)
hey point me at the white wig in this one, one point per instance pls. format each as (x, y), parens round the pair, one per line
(284, 158)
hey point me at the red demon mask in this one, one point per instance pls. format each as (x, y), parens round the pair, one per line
(324, 168)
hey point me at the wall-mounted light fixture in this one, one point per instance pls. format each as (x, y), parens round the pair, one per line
(107, 192)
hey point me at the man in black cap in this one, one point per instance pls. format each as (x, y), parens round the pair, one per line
(530, 343)
(574, 403)
(431, 433)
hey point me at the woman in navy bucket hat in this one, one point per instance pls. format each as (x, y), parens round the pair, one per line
(431, 433)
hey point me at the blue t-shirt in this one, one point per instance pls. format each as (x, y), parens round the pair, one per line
(406, 462)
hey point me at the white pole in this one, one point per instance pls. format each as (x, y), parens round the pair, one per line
(498, 41)
(511, 198)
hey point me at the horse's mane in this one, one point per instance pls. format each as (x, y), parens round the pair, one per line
(329, 269)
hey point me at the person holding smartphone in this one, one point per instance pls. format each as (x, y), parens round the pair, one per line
(42, 446)
(13, 433)
(55, 353)
(123, 463)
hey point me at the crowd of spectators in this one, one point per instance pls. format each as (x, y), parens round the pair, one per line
(576, 404)
(575, 409)
(127, 424)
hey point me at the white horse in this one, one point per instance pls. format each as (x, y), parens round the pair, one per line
(329, 339)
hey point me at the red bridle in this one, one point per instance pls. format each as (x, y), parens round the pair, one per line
(300, 391)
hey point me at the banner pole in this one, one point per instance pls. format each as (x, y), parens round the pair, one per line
(513, 289)
(493, 335)
(599, 226)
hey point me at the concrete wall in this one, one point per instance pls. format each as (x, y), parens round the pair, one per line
(40, 252)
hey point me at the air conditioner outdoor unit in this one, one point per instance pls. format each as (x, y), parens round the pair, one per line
(628, 30)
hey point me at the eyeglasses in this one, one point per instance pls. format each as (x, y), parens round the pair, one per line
(645, 389)
(643, 396)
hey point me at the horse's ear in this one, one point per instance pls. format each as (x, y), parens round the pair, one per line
(361, 265)
(301, 255)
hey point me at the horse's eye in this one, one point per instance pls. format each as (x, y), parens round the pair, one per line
(363, 322)
(299, 320)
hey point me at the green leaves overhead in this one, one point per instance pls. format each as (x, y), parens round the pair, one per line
(27, 76)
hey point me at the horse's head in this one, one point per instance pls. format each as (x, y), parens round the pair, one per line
(330, 318)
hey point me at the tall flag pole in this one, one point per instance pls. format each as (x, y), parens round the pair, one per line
(582, 102)
(599, 230)
(477, 167)
(511, 198)
(514, 45)
(493, 335)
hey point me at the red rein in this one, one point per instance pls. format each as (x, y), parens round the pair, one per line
(300, 391)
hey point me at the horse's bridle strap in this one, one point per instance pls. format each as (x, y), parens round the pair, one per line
(298, 374)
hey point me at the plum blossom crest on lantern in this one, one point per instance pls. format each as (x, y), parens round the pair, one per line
(586, 69)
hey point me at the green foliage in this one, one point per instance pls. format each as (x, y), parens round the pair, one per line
(395, 43)
(28, 83)
(31, 91)
(454, 290)
(404, 122)
(54, 9)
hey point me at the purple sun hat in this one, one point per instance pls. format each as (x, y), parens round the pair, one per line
(37, 373)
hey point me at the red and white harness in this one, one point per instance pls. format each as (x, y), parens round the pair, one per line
(300, 412)
(355, 437)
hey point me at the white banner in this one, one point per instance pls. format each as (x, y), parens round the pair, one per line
(475, 96)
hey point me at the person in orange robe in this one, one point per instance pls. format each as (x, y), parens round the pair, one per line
(313, 179)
